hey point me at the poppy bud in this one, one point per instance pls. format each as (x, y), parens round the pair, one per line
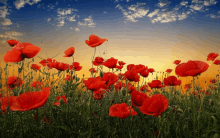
(67, 71)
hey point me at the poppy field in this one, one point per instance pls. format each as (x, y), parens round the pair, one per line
(107, 104)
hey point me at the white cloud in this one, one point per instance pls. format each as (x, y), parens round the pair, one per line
(218, 12)
(20, 3)
(48, 19)
(196, 7)
(10, 35)
(87, 22)
(162, 4)
(182, 16)
(155, 12)
(3, 11)
(65, 14)
(183, 3)
(61, 23)
(81, 24)
(6, 22)
(77, 29)
(72, 18)
(104, 12)
(165, 17)
(121, 0)
(134, 11)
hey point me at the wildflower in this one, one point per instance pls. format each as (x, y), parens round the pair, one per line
(35, 67)
(21, 51)
(137, 98)
(121, 111)
(155, 84)
(212, 56)
(110, 63)
(95, 41)
(177, 62)
(69, 52)
(98, 61)
(13, 81)
(172, 81)
(12, 42)
(154, 105)
(31, 100)
(4, 102)
(191, 68)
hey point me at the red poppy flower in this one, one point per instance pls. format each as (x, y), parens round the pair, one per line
(171, 81)
(47, 119)
(61, 66)
(93, 70)
(35, 67)
(13, 81)
(68, 77)
(177, 62)
(154, 105)
(139, 68)
(137, 98)
(69, 52)
(94, 84)
(109, 78)
(168, 70)
(75, 66)
(217, 62)
(98, 95)
(132, 76)
(110, 63)
(145, 87)
(47, 61)
(121, 111)
(31, 100)
(151, 70)
(212, 56)
(12, 42)
(98, 61)
(213, 80)
(155, 84)
(130, 66)
(121, 63)
(144, 72)
(21, 51)
(58, 99)
(95, 41)
(119, 67)
(4, 102)
(187, 86)
(118, 86)
(191, 68)
(37, 84)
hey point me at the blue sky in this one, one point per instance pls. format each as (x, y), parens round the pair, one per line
(149, 32)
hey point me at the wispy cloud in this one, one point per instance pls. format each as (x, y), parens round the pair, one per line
(10, 35)
(65, 14)
(134, 11)
(20, 3)
(87, 22)
(6, 22)
(3, 11)
(180, 11)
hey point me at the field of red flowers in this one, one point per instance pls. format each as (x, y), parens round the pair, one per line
(108, 105)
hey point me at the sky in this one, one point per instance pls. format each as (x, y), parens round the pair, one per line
(154, 33)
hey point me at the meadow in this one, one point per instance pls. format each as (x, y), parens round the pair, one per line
(107, 104)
